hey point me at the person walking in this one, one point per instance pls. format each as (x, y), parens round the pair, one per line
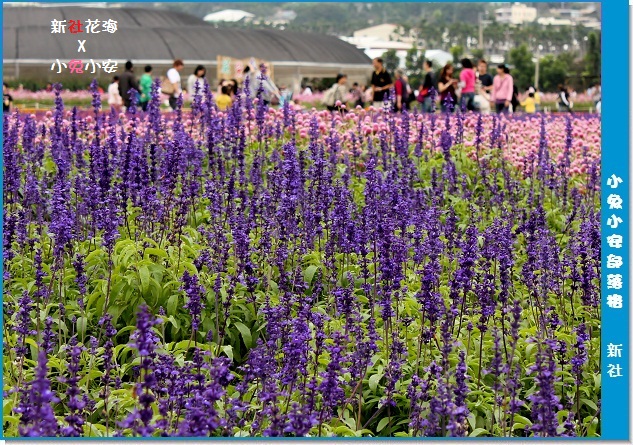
(7, 99)
(146, 87)
(173, 77)
(483, 77)
(502, 89)
(402, 92)
(257, 80)
(197, 78)
(127, 81)
(515, 102)
(114, 97)
(447, 87)
(564, 103)
(380, 83)
(357, 95)
(336, 94)
(424, 96)
(410, 95)
(467, 78)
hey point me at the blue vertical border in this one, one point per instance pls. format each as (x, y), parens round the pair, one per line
(615, 407)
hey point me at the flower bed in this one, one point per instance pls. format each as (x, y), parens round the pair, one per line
(264, 272)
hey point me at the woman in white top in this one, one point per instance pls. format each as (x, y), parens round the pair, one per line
(196, 78)
(114, 97)
(173, 76)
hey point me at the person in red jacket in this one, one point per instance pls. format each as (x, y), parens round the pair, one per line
(402, 92)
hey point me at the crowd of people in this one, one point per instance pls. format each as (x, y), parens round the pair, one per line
(171, 86)
(474, 89)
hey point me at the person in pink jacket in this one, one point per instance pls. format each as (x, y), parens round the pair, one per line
(502, 87)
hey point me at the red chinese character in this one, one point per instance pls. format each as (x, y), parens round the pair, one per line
(75, 26)
(76, 66)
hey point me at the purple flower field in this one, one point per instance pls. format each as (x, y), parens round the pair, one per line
(287, 273)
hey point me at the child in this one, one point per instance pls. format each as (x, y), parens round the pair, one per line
(223, 101)
(114, 97)
(529, 104)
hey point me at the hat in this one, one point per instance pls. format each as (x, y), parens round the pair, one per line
(531, 90)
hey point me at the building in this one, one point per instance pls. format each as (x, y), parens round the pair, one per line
(283, 17)
(586, 17)
(568, 13)
(375, 47)
(553, 21)
(516, 14)
(438, 56)
(157, 37)
(590, 23)
(228, 15)
(384, 32)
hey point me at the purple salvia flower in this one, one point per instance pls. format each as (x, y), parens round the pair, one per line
(37, 417)
(195, 293)
(48, 336)
(544, 402)
(144, 340)
(75, 404)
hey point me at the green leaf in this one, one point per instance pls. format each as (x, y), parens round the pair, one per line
(478, 432)
(156, 290)
(246, 334)
(82, 322)
(172, 305)
(382, 424)
(143, 273)
(373, 381)
(522, 420)
(228, 350)
(344, 431)
(160, 253)
(590, 404)
(308, 274)
(174, 322)
(597, 379)
(7, 407)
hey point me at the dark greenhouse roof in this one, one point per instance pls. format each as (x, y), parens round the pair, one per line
(145, 34)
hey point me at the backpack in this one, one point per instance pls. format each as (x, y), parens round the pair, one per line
(328, 97)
